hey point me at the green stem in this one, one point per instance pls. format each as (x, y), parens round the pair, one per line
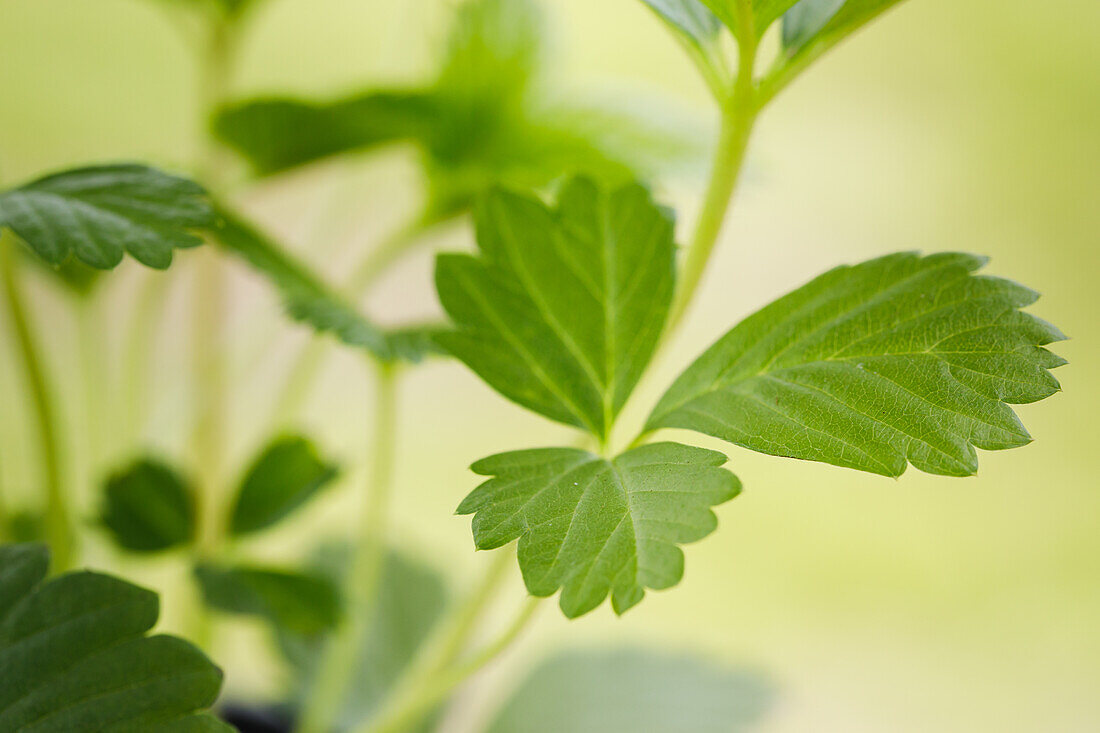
(739, 111)
(364, 573)
(406, 711)
(147, 311)
(59, 526)
(94, 371)
(307, 367)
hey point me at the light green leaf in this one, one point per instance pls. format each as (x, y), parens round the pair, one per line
(725, 11)
(299, 602)
(283, 477)
(902, 359)
(411, 599)
(149, 507)
(563, 308)
(595, 527)
(96, 214)
(74, 656)
(802, 22)
(766, 12)
(306, 297)
(690, 17)
(632, 690)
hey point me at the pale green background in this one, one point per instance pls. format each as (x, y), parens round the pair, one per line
(908, 606)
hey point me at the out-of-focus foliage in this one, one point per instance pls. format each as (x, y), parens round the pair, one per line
(149, 507)
(485, 119)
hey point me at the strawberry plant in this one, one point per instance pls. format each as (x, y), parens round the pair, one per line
(572, 292)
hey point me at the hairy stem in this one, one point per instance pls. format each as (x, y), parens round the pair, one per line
(59, 528)
(407, 710)
(364, 573)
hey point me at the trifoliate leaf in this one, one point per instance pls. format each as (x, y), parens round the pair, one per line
(803, 21)
(411, 598)
(563, 308)
(299, 602)
(595, 527)
(149, 507)
(632, 690)
(74, 656)
(306, 297)
(690, 17)
(282, 478)
(902, 359)
(96, 214)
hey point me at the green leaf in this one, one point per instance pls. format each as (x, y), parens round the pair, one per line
(766, 12)
(411, 599)
(283, 477)
(305, 295)
(902, 359)
(414, 344)
(803, 21)
(276, 134)
(480, 122)
(149, 507)
(725, 11)
(631, 690)
(690, 17)
(299, 602)
(563, 308)
(593, 526)
(74, 656)
(96, 214)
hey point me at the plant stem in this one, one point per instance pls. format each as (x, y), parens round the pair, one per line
(361, 581)
(147, 310)
(210, 303)
(739, 112)
(307, 367)
(59, 527)
(406, 711)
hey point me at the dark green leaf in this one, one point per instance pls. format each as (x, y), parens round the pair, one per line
(299, 602)
(902, 359)
(411, 599)
(306, 297)
(96, 214)
(802, 22)
(594, 527)
(149, 507)
(633, 690)
(283, 477)
(563, 308)
(690, 17)
(74, 656)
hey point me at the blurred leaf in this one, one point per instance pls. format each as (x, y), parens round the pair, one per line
(296, 601)
(901, 359)
(479, 123)
(305, 296)
(766, 12)
(74, 656)
(690, 17)
(802, 22)
(149, 507)
(725, 11)
(98, 213)
(277, 134)
(414, 344)
(411, 599)
(26, 526)
(563, 308)
(633, 690)
(634, 510)
(283, 477)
